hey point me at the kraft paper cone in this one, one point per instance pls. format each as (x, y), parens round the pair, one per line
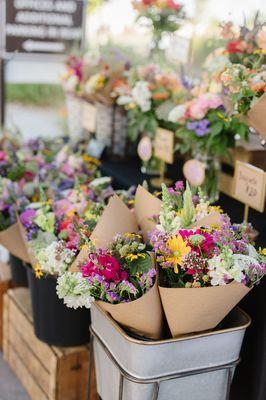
(214, 218)
(80, 260)
(256, 116)
(116, 218)
(11, 239)
(146, 205)
(143, 316)
(191, 310)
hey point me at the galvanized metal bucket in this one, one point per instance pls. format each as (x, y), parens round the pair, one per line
(194, 367)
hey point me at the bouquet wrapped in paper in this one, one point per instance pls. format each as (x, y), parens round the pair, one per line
(206, 263)
(246, 89)
(55, 231)
(9, 230)
(117, 270)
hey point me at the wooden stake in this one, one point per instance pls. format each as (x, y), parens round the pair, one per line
(246, 210)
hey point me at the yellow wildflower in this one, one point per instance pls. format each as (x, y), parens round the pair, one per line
(215, 208)
(133, 257)
(262, 251)
(38, 271)
(179, 249)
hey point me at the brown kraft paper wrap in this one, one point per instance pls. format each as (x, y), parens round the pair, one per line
(146, 205)
(143, 316)
(116, 218)
(191, 310)
(11, 239)
(256, 116)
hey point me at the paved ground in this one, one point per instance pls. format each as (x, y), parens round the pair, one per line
(10, 387)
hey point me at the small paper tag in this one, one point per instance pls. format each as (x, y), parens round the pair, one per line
(164, 145)
(88, 116)
(249, 185)
(145, 149)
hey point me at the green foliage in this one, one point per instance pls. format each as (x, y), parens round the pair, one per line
(35, 94)
(141, 265)
(188, 211)
(140, 122)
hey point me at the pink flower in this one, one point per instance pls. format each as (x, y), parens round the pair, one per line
(68, 170)
(106, 266)
(173, 5)
(3, 156)
(62, 207)
(261, 38)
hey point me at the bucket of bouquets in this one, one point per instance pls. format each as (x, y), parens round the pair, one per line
(117, 271)
(169, 368)
(52, 243)
(206, 263)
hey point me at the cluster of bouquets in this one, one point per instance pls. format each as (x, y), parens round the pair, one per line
(206, 263)
(55, 232)
(116, 270)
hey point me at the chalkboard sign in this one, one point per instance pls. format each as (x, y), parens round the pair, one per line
(43, 26)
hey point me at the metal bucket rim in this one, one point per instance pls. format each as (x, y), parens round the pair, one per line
(121, 331)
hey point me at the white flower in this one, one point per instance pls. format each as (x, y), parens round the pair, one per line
(142, 95)
(71, 83)
(74, 290)
(177, 113)
(103, 181)
(124, 100)
(55, 258)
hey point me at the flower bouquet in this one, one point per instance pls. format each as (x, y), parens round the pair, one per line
(246, 89)
(9, 230)
(207, 132)
(72, 77)
(244, 45)
(162, 15)
(116, 269)
(206, 266)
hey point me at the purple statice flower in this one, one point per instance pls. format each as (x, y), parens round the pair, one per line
(146, 280)
(31, 233)
(256, 272)
(27, 217)
(112, 297)
(128, 287)
(12, 214)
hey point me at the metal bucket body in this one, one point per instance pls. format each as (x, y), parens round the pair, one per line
(195, 367)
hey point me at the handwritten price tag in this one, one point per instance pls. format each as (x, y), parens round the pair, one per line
(164, 145)
(88, 117)
(250, 185)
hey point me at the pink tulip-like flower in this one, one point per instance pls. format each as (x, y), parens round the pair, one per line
(261, 38)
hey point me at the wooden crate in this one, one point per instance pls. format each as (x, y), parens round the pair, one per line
(5, 284)
(252, 153)
(46, 372)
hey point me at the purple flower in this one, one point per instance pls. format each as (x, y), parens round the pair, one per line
(27, 217)
(179, 185)
(201, 128)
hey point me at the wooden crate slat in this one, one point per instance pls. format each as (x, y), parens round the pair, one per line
(73, 376)
(34, 366)
(46, 372)
(29, 383)
(42, 350)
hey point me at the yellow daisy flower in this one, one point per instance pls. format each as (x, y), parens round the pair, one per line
(179, 249)
(262, 251)
(38, 271)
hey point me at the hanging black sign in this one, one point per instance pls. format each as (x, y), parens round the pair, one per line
(43, 26)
